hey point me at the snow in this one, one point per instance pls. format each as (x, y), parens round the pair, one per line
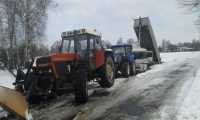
(184, 104)
(190, 108)
(178, 56)
(6, 79)
(144, 81)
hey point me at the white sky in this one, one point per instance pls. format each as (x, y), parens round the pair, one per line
(113, 18)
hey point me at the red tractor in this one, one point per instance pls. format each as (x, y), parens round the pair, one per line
(81, 58)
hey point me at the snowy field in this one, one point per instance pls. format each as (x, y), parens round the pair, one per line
(169, 91)
(185, 104)
(188, 105)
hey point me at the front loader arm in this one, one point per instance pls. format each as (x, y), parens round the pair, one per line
(15, 102)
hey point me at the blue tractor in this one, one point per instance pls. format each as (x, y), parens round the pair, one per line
(124, 60)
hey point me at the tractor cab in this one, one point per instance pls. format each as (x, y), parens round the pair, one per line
(86, 44)
(124, 60)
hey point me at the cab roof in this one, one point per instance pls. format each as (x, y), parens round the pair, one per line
(124, 45)
(80, 32)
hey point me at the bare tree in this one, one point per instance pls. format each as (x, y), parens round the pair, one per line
(194, 6)
(106, 44)
(130, 41)
(56, 46)
(22, 22)
(35, 16)
(120, 41)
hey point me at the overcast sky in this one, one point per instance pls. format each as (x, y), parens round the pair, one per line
(113, 18)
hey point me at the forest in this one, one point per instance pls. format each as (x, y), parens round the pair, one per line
(22, 31)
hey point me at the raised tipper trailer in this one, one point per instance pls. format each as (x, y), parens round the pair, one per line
(146, 37)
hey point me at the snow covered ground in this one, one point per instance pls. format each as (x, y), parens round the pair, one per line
(169, 91)
(187, 103)
(6, 79)
(190, 106)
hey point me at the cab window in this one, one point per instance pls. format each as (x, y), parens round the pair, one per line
(98, 44)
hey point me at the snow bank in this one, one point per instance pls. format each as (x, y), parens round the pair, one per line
(178, 56)
(190, 108)
(6, 79)
(185, 104)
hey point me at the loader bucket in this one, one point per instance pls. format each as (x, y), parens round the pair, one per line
(15, 102)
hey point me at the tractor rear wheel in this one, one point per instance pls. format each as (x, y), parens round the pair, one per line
(81, 87)
(108, 73)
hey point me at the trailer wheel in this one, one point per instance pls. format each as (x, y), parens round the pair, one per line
(81, 87)
(108, 73)
(127, 69)
(133, 69)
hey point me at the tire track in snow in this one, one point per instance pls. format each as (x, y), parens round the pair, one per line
(142, 104)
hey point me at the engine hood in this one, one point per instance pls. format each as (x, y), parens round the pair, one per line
(43, 60)
(47, 60)
(64, 57)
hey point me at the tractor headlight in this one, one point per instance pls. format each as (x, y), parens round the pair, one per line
(68, 68)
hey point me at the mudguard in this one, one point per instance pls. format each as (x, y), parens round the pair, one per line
(14, 102)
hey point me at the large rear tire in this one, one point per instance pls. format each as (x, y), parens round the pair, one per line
(81, 87)
(108, 73)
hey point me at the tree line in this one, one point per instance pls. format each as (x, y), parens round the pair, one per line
(22, 30)
(167, 46)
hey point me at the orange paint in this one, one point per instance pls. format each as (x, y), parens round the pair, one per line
(99, 58)
(64, 57)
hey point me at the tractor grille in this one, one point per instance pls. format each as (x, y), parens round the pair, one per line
(63, 68)
(43, 60)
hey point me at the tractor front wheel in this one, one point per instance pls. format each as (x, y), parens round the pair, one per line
(81, 87)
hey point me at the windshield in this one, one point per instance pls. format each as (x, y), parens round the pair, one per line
(119, 50)
(128, 49)
(81, 45)
(71, 45)
(68, 46)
